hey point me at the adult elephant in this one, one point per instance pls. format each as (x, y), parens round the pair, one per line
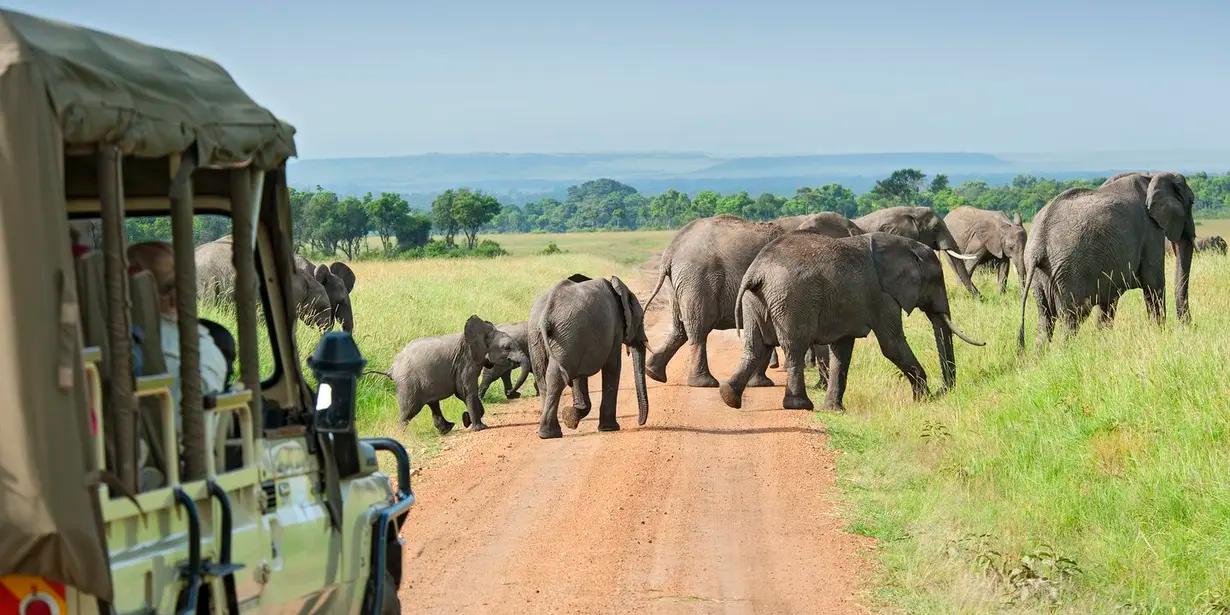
(321, 294)
(1087, 247)
(576, 330)
(922, 225)
(990, 237)
(705, 263)
(805, 289)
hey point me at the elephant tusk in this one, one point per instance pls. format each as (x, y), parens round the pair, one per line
(961, 256)
(961, 334)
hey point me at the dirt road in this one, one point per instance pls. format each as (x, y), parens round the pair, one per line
(703, 510)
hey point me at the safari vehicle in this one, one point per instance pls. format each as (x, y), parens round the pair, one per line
(267, 500)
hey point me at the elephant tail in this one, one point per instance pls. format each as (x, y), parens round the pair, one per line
(374, 372)
(1029, 278)
(751, 281)
(662, 275)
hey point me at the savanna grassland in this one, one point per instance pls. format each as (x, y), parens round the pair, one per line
(1087, 476)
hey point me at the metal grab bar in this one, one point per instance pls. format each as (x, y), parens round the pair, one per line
(402, 500)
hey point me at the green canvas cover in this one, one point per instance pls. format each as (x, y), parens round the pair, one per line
(60, 86)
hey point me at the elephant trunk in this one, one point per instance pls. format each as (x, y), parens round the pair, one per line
(1182, 272)
(1018, 261)
(638, 377)
(944, 241)
(941, 326)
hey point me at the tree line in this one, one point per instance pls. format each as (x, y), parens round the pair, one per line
(326, 223)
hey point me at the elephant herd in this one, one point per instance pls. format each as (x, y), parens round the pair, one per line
(810, 285)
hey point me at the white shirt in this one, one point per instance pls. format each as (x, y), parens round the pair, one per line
(213, 364)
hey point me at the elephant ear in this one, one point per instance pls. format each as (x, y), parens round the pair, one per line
(626, 298)
(993, 242)
(906, 226)
(1169, 201)
(322, 274)
(899, 270)
(344, 272)
(475, 336)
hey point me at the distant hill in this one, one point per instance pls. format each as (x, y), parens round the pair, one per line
(524, 177)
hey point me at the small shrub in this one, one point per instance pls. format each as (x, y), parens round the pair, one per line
(552, 248)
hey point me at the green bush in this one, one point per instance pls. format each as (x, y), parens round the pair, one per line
(552, 248)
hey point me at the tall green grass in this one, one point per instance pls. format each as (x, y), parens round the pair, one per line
(1092, 475)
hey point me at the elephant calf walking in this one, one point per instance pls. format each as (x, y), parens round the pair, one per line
(517, 331)
(576, 330)
(432, 369)
(806, 289)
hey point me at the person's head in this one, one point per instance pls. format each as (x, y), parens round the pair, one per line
(158, 258)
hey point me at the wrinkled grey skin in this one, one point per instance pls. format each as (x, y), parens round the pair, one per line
(805, 289)
(922, 225)
(829, 224)
(432, 369)
(321, 294)
(576, 330)
(518, 332)
(992, 237)
(1212, 244)
(326, 294)
(705, 262)
(1087, 247)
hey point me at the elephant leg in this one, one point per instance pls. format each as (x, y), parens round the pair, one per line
(656, 362)
(796, 391)
(553, 385)
(821, 354)
(700, 376)
(581, 403)
(839, 369)
(489, 376)
(1001, 270)
(1072, 315)
(442, 424)
(752, 365)
(410, 410)
(474, 410)
(510, 392)
(896, 349)
(1046, 313)
(774, 363)
(610, 393)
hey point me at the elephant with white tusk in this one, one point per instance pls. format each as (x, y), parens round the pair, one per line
(992, 239)
(576, 330)
(806, 289)
(922, 225)
(432, 369)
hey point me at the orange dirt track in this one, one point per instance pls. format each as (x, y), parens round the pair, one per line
(703, 510)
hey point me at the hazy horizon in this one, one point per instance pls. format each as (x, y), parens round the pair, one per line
(781, 77)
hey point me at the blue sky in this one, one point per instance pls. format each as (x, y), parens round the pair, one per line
(728, 77)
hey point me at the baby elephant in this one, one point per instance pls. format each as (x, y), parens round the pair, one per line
(431, 369)
(1211, 244)
(805, 289)
(576, 330)
(516, 331)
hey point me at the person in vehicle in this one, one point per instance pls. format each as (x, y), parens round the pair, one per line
(158, 258)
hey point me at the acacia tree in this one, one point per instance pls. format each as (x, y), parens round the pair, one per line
(318, 221)
(442, 214)
(471, 210)
(387, 213)
(351, 224)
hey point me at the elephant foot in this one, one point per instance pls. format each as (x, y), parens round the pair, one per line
(705, 381)
(550, 432)
(654, 371)
(571, 416)
(465, 418)
(512, 395)
(797, 402)
(774, 363)
(444, 427)
(478, 426)
(730, 396)
(582, 412)
(834, 406)
(612, 426)
(760, 380)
